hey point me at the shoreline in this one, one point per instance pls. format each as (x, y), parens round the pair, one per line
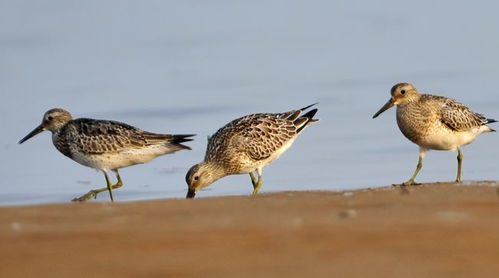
(105, 199)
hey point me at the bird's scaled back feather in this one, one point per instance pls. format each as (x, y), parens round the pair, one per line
(459, 117)
(257, 135)
(99, 136)
(265, 135)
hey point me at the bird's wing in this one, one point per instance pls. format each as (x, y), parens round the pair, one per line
(459, 117)
(263, 134)
(259, 135)
(98, 136)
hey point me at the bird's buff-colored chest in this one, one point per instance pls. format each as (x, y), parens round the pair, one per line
(423, 126)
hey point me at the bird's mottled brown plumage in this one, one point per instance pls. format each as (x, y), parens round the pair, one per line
(457, 116)
(89, 136)
(434, 122)
(105, 145)
(426, 115)
(257, 136)
(248, 144)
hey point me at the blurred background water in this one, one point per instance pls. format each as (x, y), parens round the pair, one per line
(192, 66)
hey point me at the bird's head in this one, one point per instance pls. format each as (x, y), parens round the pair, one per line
(401, 94)
(53, 120)
(200, 176)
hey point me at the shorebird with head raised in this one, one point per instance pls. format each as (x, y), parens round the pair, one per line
(434, 123)
(105, 145)
(246, 145)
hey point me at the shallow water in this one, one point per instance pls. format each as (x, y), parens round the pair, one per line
(192, 66)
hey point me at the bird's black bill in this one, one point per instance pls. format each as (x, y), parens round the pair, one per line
(385, 107)
(190, 194)
(35, 131)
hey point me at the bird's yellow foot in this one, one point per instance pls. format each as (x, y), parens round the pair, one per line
(91, 194)
(407, 183)
(256, 188)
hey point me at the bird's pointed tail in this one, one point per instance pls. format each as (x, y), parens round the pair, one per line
(491, 121)
(178, 139)
(307, 107)
(306, 119)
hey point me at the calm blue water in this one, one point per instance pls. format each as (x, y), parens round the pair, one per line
(192, 66)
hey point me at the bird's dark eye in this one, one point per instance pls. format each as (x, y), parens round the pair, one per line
(50, 118)
(402, 92)
(196, 178)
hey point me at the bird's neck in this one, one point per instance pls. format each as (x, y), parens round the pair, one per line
(61, 144)
(412, 99)
(216, 171)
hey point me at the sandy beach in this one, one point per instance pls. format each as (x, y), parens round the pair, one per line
(435, 230)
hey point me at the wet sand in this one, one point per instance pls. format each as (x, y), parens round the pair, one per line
(437, 230)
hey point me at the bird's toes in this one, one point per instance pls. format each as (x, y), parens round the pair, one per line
(86, 197)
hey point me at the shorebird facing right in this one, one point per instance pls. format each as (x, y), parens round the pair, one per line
(246, 145)
(434, 123)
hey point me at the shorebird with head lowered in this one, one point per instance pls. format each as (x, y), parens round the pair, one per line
(246, 145)
(434, 123)
(105, 145)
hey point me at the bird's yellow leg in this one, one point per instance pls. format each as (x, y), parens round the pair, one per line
(418, 168)
(459, 165)
(93, 193)
(109, 187)
(258, 184)
(253, 179)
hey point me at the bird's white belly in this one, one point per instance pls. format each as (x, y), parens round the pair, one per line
(280, 151)
(274, 156)
(449, 140)
(109, 161)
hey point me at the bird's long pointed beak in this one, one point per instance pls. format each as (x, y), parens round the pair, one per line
(190, 194)
(34, 132)
(385, 107)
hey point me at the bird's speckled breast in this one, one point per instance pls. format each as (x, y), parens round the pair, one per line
(415, 122)
(61, 144)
